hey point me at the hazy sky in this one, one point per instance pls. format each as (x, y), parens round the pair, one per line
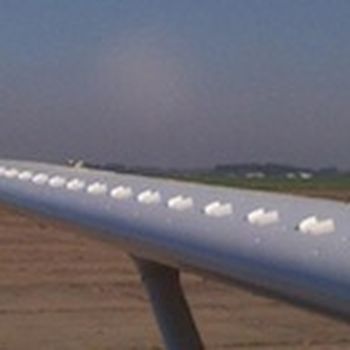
(176, 82)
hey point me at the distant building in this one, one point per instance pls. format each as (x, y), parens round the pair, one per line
(306, 176)
(255, 175)
(76, 163)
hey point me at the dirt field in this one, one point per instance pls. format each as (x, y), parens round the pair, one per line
(61, 290)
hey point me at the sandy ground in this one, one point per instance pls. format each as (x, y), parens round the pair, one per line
(61, 290)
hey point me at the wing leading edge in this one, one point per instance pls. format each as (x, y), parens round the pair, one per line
(295, 248)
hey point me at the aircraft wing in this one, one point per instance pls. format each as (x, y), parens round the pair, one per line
(287, 246)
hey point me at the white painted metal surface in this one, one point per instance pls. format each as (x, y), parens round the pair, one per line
(314, 226)
(149, 197)
(75, 185)
(263, 217)
(121, 192)
(180, 203)
(217, 209)
(57, 181)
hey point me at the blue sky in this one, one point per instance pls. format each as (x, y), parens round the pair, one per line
(176, 83)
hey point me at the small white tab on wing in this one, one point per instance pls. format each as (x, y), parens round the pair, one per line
(217, 209)
(2, 170)
(180, 203)
(11, 173)
(25, 175)
(40, 179)
(57, 181)
(312, 225)
(97, 188)
(149, 197)
(263, 217)
(121, 192)
(75, 185)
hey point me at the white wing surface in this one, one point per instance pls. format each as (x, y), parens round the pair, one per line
(292, 247)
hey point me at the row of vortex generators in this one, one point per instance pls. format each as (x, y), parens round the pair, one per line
(259, 217)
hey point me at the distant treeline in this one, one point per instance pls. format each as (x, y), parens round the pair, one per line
(240, 170)
(273, 169)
